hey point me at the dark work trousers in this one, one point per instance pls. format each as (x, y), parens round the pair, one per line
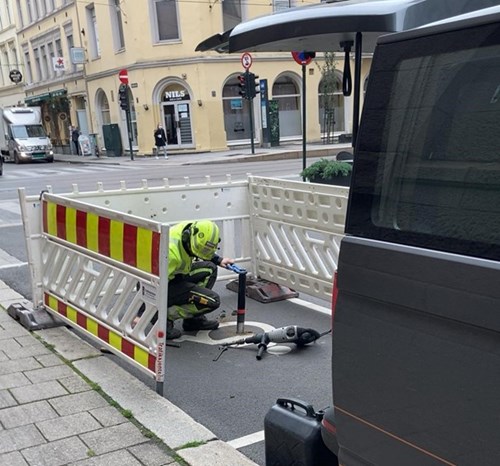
(191, 295)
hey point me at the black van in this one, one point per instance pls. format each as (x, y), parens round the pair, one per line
(416, 325)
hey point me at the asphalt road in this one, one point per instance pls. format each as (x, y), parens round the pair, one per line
(230, 396)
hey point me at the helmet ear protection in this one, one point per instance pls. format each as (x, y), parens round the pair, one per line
(186, 234)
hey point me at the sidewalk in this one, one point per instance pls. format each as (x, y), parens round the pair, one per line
(238, 154)
(63, 403)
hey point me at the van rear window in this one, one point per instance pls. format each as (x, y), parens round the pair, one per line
(427, 169)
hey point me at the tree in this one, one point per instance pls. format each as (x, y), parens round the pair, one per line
(327, 89)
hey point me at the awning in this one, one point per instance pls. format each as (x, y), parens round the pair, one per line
(331, 27)
(46, 96)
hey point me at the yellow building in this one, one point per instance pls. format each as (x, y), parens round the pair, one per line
(194, 95)
(11, 72)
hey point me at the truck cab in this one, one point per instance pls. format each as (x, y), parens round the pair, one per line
(416, 308)
(22, 137)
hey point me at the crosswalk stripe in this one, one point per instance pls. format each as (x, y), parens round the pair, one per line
(63, 170)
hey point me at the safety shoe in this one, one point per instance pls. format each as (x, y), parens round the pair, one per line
(172, 332)
(199, 323)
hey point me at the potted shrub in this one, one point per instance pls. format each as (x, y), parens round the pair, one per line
(328, 171)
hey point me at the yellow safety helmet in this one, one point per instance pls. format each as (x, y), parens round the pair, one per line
(204, 239)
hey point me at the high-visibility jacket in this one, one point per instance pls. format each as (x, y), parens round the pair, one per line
(179, 261)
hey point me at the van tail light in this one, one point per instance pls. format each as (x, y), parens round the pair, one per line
(334, 296)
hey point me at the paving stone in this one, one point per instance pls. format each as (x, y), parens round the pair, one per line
(3, 356)
(6, 399)
(16, 379)
(19, 438)
(116, 458)
(26, 351)
(75, 384)
(58, 453)
(216, 452)
(12, 330)
(113, 438)
(26, 414)
(71, 404)
(66, 426)
(67, 344)
(49, 373)
(38, 391)
(8, 367)
(151, 454)
(28, 340)
(12, 459)
(108, 416)
(49, 360)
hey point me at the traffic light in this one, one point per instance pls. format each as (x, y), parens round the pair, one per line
(123, 97)
(243, 85)
(253, 85)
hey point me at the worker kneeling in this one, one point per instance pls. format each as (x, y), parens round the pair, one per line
(192, 272)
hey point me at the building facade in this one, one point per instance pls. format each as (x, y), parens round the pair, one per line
(73, 52)
(11, 78)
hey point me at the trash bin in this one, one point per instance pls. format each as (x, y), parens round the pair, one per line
(112, 140)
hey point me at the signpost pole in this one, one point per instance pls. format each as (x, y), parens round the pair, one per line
(129, 130)
(303, 118)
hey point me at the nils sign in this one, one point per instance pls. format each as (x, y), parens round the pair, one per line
(172, 96)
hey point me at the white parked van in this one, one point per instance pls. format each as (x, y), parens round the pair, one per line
(22, 137)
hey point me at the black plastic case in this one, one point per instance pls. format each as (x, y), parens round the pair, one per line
(293, 436)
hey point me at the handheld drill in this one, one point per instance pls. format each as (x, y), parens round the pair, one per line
(289, 334)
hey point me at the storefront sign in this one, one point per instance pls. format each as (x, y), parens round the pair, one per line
(77, 55)
(173, 96)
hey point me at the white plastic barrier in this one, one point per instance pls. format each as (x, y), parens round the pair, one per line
(98, 257)
(297, 229)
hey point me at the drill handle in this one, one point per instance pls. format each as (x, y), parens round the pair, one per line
(264, 341)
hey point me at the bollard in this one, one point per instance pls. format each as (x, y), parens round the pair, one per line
(242, 285)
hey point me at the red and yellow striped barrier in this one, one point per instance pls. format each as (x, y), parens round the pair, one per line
(111, 337)
(125, 243)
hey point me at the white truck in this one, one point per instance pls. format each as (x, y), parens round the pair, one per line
(22, 137)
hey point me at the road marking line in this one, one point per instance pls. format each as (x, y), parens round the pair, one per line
(8, 266)
(312, 306)
(9, 225)
(247, 440)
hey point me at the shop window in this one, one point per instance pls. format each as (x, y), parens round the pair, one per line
(236, 112)
(287, 94)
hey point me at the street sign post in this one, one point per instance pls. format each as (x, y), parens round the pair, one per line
(246, 60)
(123, 76)
(303, 58)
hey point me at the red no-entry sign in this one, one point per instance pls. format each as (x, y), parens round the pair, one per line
(123, 76)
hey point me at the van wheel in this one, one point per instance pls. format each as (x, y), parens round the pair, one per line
(50, 159)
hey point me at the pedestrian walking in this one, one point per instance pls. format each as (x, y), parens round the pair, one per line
(160, 141)
(75, 134)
